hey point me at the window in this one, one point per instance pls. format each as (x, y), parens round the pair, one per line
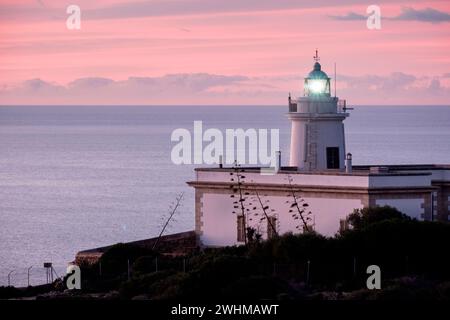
(271, 227)
(333, 158)
(240, 228)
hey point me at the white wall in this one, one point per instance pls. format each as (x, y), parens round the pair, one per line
(220, 224)
(323, 133)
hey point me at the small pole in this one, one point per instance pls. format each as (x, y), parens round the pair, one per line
(28, 274)
(354, 266)
(184, 265)
(128, 268)
(156, 264)
(100, 268)
(307, 271)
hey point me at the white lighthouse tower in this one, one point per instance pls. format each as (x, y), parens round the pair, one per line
(317, 132)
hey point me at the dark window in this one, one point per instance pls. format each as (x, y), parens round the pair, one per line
(333, 158)
(271, 227)
(240, 228)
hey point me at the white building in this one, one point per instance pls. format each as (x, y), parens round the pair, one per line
(320, 174)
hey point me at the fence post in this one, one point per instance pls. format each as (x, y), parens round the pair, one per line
(128, 268)
(354, 267)
(28, 275)
(184, 265)
(9, 278)
(156, 264)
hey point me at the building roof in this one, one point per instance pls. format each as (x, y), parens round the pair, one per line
(177, 244)
(358, 170)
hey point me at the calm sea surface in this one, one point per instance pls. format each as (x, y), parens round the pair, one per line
(74, 178)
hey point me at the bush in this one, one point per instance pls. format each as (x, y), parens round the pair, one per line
(362, 218)
(257, 287)
(142, 284)
(115, 260)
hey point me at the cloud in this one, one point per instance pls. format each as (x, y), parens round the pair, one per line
(204, 88)
(395, 88)
(351, 16)
(90, 83)
(37, 10)
(408, 14)
(424, 15)
(381, 84)
(435, 85)
(168, 89)
(41, 87)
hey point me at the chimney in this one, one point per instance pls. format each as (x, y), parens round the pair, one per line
(220, 161)
(277, 161)
(348, 163)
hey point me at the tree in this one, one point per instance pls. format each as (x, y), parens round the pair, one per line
(243, 205)
(172, 210)
(362, 218)
(299, 209)
(237, 180)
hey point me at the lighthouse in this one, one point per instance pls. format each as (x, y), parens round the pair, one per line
(317, 128)
(320, 172)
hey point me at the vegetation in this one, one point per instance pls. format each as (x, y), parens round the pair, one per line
(362, 218)
(411, 254)
(413, 257)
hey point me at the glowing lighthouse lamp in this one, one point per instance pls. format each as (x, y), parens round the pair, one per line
(317, 83)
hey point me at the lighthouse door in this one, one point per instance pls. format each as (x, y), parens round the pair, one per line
(333, 158)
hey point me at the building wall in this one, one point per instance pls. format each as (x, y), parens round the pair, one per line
(301, 179)
(442, 201)
(219, 224)
(331, 197)
(310, 138)
(383, 181)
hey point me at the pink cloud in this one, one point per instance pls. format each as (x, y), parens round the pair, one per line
(395, 88)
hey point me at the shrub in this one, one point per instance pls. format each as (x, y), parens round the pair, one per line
(256, 287)
(362, 218)
(142, 284)
(115, 260)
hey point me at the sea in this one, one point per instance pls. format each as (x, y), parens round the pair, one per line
(80, 177)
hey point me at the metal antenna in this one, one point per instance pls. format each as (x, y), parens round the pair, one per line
(335, 79)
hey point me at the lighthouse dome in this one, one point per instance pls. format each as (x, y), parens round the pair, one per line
(317, 82)
(317, 72)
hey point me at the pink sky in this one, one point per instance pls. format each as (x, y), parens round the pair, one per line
(221, 52)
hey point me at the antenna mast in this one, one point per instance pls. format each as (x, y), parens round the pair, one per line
(335, 78)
